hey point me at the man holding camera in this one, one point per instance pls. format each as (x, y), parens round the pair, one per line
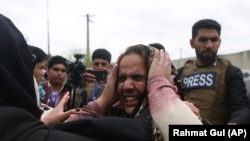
(96, 76)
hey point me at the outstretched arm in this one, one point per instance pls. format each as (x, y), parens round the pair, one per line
(165, 105)
(58, 114)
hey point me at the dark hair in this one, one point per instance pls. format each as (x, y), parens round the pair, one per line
(101, 53)
(39, 54)
(205, 24)
(146, 52)
(57, 60)
(157, 45)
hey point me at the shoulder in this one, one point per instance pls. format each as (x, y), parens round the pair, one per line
(233, 73)
(187, 63)
(224, 61)
(232, 69)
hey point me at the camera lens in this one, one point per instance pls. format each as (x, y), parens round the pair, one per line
(80, 68)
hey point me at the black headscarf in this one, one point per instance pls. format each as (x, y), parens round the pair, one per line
(16, 82)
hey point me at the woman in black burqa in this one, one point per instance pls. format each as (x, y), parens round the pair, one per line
(19, 114)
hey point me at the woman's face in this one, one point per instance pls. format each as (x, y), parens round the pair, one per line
(39, 70)
(132, 79)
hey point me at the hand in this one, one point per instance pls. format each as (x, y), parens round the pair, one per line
(108, 96)
(193, 108)
(88, 77)
(161, 65)
(108, 71)
(57, 114)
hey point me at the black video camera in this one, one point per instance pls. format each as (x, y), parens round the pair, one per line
(74, 71)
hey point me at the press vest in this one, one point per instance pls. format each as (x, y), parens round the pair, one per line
(206, 88)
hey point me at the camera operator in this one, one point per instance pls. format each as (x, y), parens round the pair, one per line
(96, 76)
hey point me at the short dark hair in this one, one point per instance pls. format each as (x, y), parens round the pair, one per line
(39, 54)
(57, 60)
(205, 24)
(101, 53)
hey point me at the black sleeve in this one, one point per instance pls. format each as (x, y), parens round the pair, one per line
(180, 70)
(180, 85)
(19, 125)
(110, 128)
(240, 111)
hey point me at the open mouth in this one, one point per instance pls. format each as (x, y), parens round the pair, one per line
(131, 98)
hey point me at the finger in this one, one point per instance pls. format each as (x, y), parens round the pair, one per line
(167, 56)
(162, 56)
(69, 112)
(156, 56)
(167, 60)
(66, 114)
(115, 67)
(107, 70)
(64, 99)
(89, 75)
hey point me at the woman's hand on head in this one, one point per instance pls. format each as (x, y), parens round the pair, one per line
(109, 96)
(160, 65)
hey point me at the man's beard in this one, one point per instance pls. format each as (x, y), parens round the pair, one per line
(207, 59)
